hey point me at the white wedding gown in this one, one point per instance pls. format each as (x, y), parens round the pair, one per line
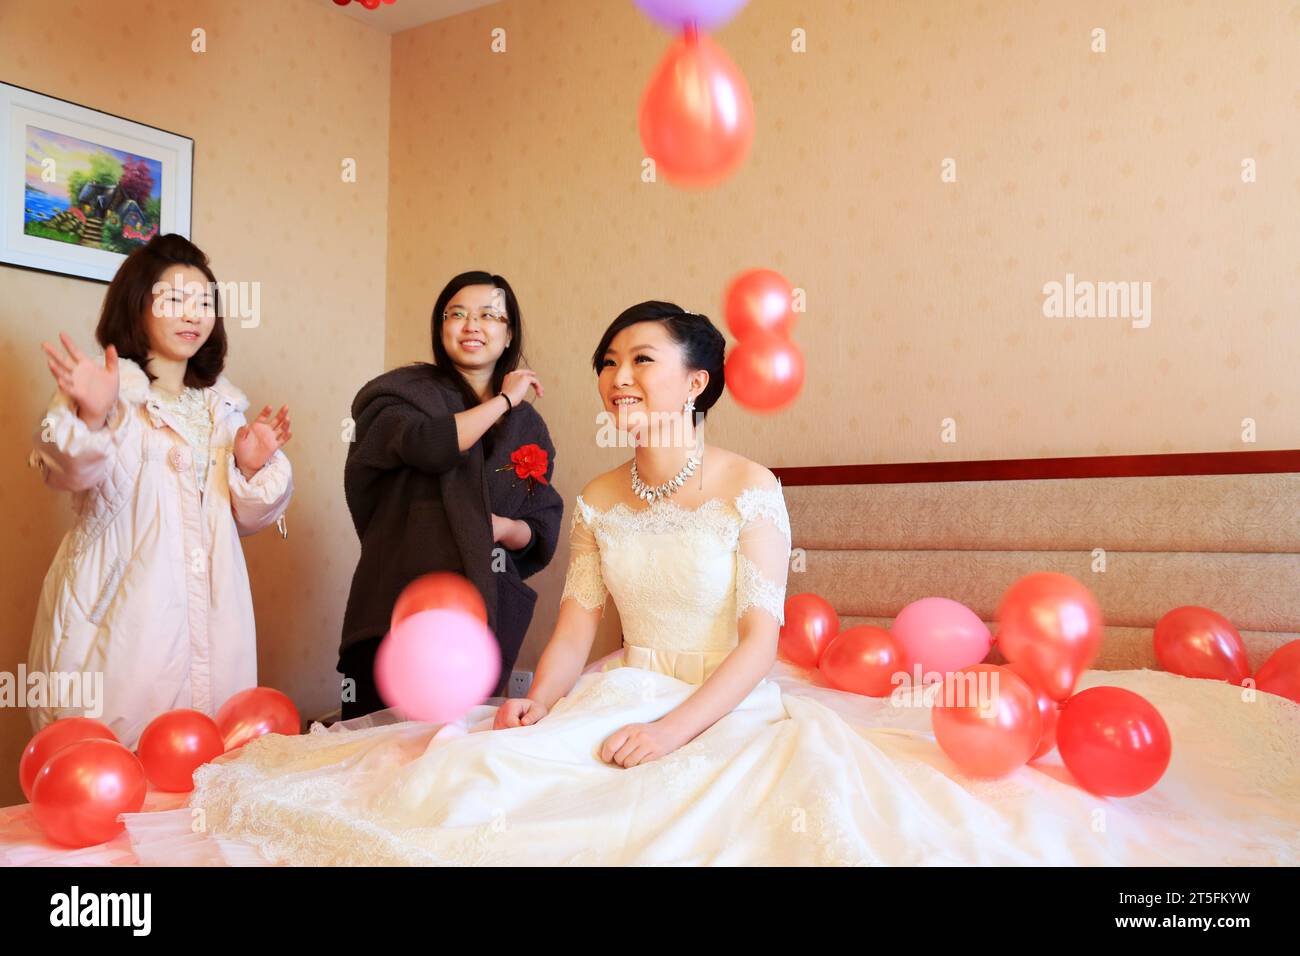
(805, 777)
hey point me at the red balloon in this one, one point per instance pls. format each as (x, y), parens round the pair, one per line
(439, 591)
(863, 660)
(759, 301)
(1281, 672)
(1048, 709)
(697, 119)
(810, 624)
(52, 738)
(1113, 741)
(764, 372)
(254, 712)
(1198, 642)
(81, 789)
(1050, 624)
(175, 744)
(987, 720)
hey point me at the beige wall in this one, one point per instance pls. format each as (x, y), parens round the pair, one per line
(924, 297)
(285, 91)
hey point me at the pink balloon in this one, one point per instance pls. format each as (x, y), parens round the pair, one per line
(941, 635)
(435, 665)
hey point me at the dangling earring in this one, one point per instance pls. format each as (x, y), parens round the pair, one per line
(689, 409)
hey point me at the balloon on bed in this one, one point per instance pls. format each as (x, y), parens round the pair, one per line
(254, 712)
(81, 789)
(987, 720)
(175, 744)
(1280, 674)
(1198, 642)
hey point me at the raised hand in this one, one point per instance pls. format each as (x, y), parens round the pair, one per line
(90, 386)
(517, 383)
(256, 442)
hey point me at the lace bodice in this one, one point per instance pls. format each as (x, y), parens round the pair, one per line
(682, 578)
(193, 420)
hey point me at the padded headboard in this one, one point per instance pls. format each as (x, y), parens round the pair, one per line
(1221, 530)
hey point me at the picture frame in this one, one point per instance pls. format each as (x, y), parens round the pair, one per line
(81, 188)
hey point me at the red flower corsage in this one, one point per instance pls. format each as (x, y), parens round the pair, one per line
(529, 461)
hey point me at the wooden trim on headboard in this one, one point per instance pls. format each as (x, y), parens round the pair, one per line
(1100, 466)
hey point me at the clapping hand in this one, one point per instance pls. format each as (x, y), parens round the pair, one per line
(255, 443)
(92, 387)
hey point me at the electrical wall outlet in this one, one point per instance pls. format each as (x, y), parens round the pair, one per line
(520, 681)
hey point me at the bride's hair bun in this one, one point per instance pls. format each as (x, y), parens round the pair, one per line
(703, 346)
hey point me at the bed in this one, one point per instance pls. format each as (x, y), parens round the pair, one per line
(1146, 533)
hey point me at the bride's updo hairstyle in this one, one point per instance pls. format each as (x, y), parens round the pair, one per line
(702, 344)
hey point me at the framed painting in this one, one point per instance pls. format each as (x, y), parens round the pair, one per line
(81, 189)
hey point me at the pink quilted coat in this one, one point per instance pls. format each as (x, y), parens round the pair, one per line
(150, 588)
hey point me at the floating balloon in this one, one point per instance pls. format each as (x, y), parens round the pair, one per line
(1281, 672)
(1113, 741)
(678, 14)
(759, 300)
(941, 635)
(987, 720)
(1050, 624)
(52, 738)
(697, 120)
(1198, 642)
(1048, 709)
(436, 665)
(80, 791)
(254, 712)
(863, 660)
(441, 590)
(174, 745)
(810, 624)
(764, 372)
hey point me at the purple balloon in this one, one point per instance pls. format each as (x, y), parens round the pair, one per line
(675, 15)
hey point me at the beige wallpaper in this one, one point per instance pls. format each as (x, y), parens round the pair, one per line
(925, 296)
(284, 92)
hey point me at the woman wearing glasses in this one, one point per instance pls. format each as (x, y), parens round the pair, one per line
(440, 476)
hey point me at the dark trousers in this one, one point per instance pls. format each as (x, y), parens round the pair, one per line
(358, 663)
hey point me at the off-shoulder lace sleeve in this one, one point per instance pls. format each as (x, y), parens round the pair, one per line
(583, 581)
(763, 553)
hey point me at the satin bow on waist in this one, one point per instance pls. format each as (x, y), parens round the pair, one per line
(694, 667)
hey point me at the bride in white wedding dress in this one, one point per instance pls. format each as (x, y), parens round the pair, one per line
(686, 750)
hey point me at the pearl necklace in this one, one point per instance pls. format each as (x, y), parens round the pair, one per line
(644, 491)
